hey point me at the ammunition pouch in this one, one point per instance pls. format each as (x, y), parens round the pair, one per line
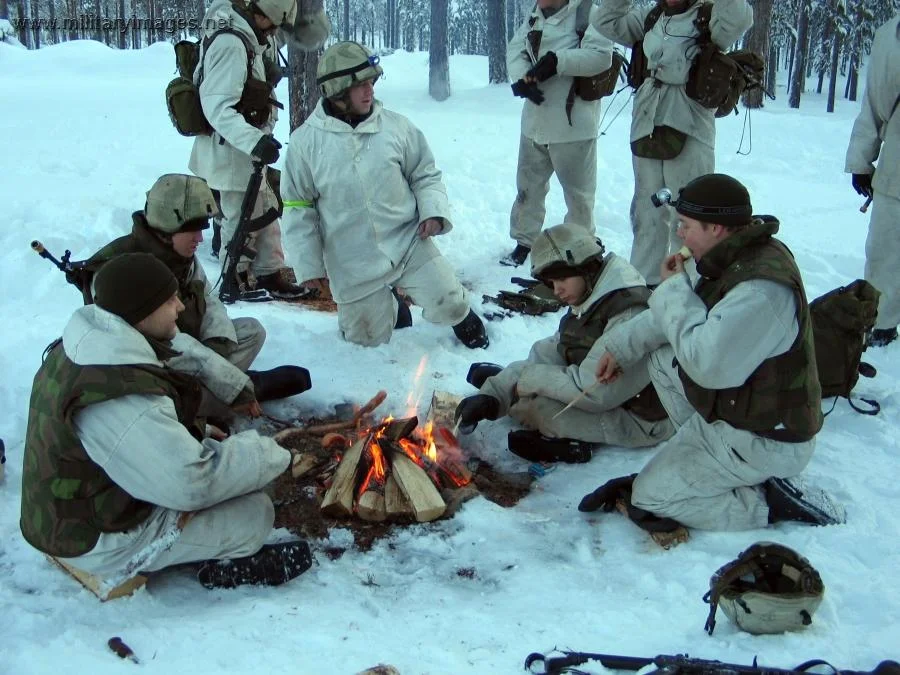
(255, 104)
(664, 143)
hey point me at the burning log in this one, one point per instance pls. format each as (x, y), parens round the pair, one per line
(338, 500)
(396, 504)
(370, 502)
(423, 496)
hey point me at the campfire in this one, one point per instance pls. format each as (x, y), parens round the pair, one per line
(395, 471)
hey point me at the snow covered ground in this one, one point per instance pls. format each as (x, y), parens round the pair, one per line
(85, 133)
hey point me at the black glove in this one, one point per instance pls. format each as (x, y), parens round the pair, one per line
(528, 90)
(472, 409)
(545, 68)
(266, 150)
(606, 495)
(862, 183)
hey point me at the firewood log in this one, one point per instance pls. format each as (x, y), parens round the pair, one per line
(371, 506)
(423, 496)
(395, 502)
(338, 500)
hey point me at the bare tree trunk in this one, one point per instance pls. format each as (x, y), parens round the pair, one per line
(346, 31)
(825, 47)
(497, 41)
(797, 79)
(438, 55)
(853, 78)
(201, 12)
(757, 40)
(120, 12)
(303, 91)
(835, 57)
(23, 22)
(54, 30)
(36, 23)
(4, 9)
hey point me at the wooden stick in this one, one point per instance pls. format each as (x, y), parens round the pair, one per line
(375, 401)
(577, 399)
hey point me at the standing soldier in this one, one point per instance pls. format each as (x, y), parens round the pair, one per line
(554, 45)
(236, 77)
(673, 137)
(364, 202)
(876, 135)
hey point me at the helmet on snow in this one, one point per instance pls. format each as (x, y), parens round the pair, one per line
(769, 588)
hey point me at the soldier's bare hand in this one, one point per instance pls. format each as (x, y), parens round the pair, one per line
(429, 228)
(608, 369)
(671, 265)
(252, 409)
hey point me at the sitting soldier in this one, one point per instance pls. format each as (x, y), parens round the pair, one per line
(170, 228)
(117, 475)
(732, 358)
(601, 293)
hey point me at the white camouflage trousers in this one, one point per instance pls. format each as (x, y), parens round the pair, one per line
(612, 427)
(426, 278)
(709, 476)
(575, 165)
(654, 228)
(882, 254)
(232, 529)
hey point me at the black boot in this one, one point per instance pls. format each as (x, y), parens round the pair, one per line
(881, 337)
(479, 372)
(279, 382)
(404, 316)
(792, 500)
(535, 447)
(280, 285)
(517, 256)
(272, 565)
(471, 333)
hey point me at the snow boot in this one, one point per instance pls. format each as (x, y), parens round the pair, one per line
(535, 447)
(280, 285)
(279, 382)
(479, 372)
(793, 500)
(272, 565)
(471, 333)
(404, 316)
(881, 337)
(517, 256)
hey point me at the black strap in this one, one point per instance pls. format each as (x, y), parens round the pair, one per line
(207, 41)
(874, 410)
(339, 73)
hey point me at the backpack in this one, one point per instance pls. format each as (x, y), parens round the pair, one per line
(841, 320)
(717, 79)
(183, 96)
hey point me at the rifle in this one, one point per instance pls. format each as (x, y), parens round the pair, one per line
(75, 271)
(681, 664)
(238, 247)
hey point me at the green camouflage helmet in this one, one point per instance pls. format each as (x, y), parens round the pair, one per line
(563, 247)
(344, 64)
(769, 588)
(178, 202)
(282, 13)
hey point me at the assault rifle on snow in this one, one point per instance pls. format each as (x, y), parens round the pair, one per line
(681, 664)
(231, 290)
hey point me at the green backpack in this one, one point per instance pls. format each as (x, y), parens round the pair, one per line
(183, 96)
(841, 321)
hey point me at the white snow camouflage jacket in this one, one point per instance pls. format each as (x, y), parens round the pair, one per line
(354, 198)
(223, 157)
(547, 123)
(139, 442)
(670, 47)
(876, 132)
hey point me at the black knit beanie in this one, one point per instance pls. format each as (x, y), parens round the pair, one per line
(134, 285)
(715, 198)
